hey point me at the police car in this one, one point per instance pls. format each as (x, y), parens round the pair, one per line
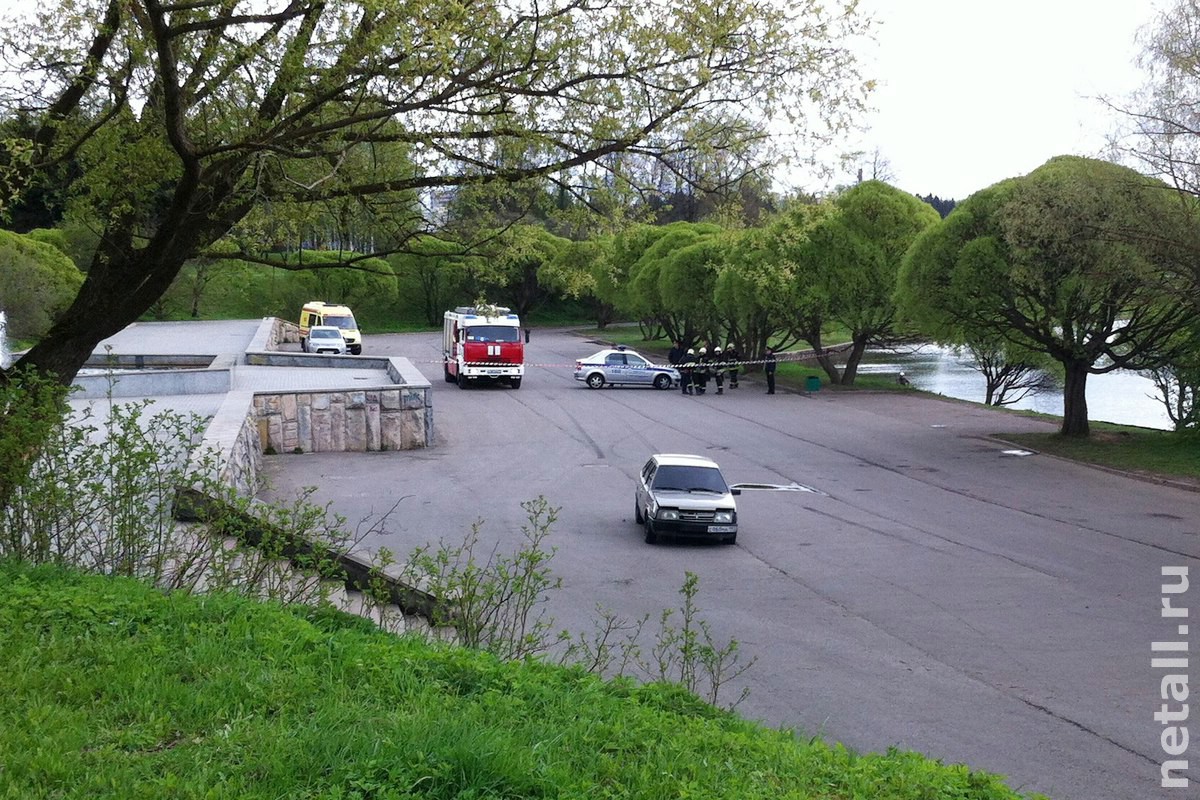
(621, 366)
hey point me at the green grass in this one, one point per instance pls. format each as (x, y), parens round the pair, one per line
(1139, 450)
(116, 690)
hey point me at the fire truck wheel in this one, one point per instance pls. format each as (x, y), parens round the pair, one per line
(446, 372)
(595, 380)
(462, 381)
(516, 383)
(662, 382)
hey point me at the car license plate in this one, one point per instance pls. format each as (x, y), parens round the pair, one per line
(493, 372)
(721, 529)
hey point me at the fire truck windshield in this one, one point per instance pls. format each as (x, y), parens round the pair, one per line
(493, 333)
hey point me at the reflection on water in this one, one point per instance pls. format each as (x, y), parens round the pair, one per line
(4, 357)
(1125, 397)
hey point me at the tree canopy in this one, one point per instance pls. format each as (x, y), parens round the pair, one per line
(841, 259)
(37, 281)
(188, 120)
(1077, 260)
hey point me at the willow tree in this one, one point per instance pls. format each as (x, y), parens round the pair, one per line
(1077, 261)
(854, 255)
(677, 295)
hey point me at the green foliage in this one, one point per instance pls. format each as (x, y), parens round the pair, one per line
(54, 237)
(520, 273)
(668, 285)
(103, 495)
(689, 656)
(115, 689)
(1080, 260)
(495, 605)
(37, 283)
(237, 289)
(430, 277)
(843, 259)
(332, 123)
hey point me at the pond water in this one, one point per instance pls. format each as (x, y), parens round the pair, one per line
(1124, 397)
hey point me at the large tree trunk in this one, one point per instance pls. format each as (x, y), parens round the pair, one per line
(990, 395)
(822, 355)
(101, 309)
(852, 361)
(1075, 413)
(121, 284)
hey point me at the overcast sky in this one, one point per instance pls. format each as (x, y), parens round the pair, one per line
(973, 91)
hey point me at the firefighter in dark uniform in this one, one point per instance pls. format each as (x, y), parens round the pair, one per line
(731, 355)
(700, 374)
(718, 369)
(685, 371)
(769, 369)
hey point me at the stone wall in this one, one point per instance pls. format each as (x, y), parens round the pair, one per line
(359, 420)
(233, 435)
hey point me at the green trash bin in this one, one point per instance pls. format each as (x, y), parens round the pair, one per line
(812, 384)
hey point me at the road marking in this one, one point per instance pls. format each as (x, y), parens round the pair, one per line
(774, 487)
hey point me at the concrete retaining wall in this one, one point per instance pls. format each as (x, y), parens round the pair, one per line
(359, 420)
(233, 433)
(160, 375)
(397, 417)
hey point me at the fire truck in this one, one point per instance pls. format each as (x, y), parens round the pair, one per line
(482, 344)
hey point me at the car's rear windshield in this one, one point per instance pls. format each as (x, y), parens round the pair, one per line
(493, 333)
(686, 478)
(346, 323)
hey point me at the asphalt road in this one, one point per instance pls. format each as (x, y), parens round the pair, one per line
(934, 593)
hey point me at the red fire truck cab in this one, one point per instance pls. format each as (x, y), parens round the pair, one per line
(482, 343)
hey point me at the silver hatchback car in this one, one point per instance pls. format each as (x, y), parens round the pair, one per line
(685, 495)
(325, 339)
(622, 366)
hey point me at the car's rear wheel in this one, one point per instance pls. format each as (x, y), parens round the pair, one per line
(662, 382)
(651, 535)
(595, 380)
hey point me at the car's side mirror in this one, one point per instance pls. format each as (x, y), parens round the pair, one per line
(735, 491)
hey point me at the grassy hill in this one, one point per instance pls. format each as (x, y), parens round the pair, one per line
(114, 689)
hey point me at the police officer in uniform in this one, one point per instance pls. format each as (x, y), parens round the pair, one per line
(675, 356)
